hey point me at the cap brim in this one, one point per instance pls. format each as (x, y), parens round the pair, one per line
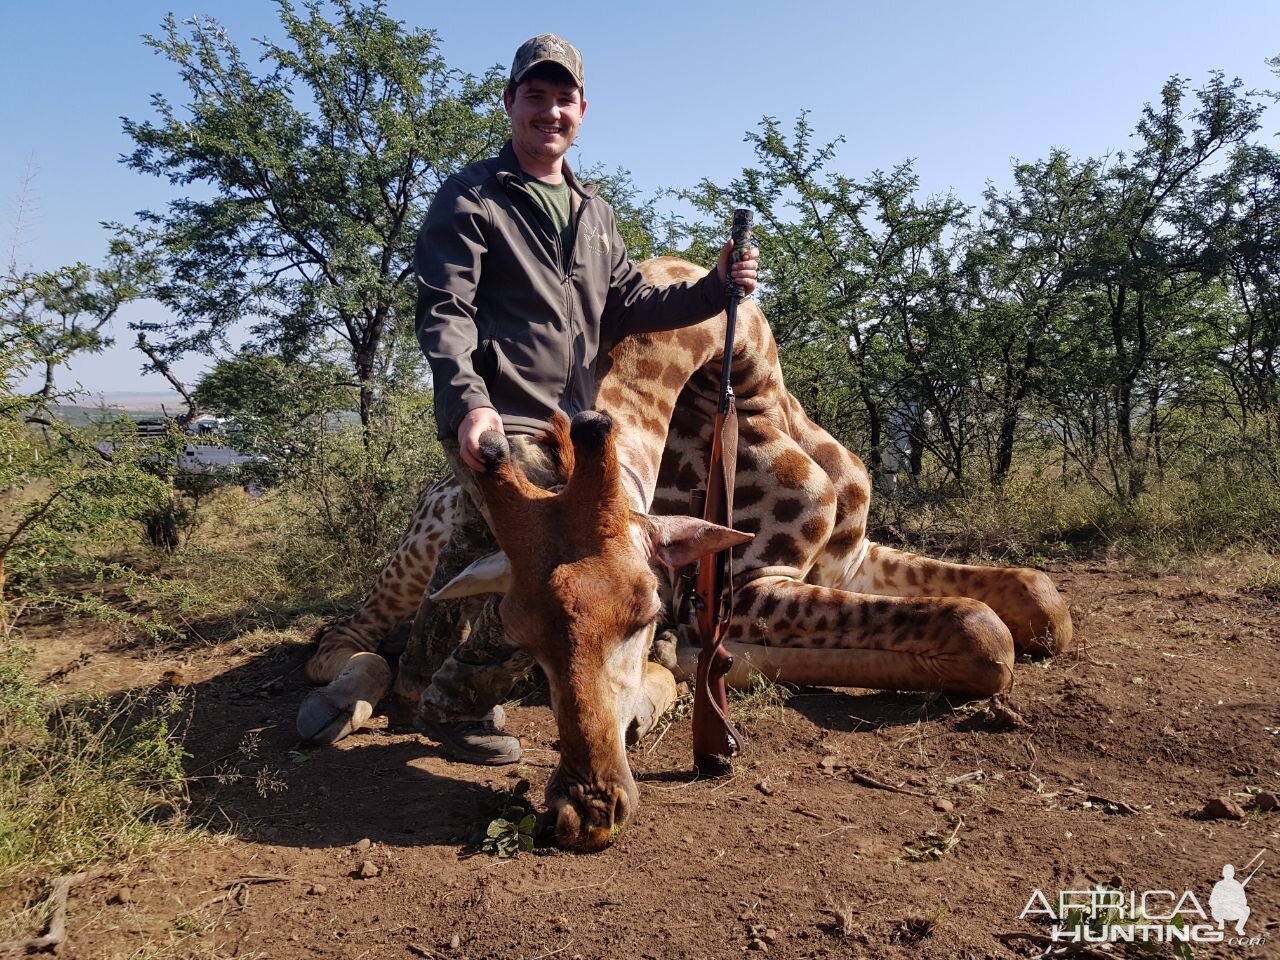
(537, 63)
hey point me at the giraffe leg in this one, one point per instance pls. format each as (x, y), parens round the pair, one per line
(799, 633)
(354, 677)
(1026, 600)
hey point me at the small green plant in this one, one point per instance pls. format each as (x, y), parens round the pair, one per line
(931, 847)
(1100, 922)
(511, 832)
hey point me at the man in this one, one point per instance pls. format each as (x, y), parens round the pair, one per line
(523, 282)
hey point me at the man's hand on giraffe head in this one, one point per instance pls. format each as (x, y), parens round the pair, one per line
(743, 272)
(476, 422)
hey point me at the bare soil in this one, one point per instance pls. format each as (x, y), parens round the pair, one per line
(797, 854)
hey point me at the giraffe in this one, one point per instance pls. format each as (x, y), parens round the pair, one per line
(815, 602)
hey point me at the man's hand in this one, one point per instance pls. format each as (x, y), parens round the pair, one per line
(473, 424)
(743, 272)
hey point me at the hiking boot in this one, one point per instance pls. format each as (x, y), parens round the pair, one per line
(481, 742)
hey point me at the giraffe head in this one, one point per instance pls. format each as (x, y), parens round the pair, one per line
(582, 599)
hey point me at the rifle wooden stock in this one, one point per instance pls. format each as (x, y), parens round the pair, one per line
(714, 739)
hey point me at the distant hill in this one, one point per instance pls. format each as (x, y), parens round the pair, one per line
(150, 401)
(80, 416)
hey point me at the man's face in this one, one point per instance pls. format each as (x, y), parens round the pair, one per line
(545, 115)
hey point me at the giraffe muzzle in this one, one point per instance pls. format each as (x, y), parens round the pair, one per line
(589, 822)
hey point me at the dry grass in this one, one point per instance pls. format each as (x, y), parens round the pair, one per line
(86, 781)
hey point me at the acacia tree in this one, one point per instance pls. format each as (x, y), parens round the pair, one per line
(59, 313)
(1020, 264)
(313, 174)
(1143, 260)
(1244, 202)
(851, 277)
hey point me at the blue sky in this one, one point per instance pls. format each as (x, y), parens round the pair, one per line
(963, 88)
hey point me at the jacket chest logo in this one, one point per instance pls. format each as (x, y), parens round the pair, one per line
(595, 239)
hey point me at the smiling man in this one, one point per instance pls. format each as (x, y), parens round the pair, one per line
(523, 283)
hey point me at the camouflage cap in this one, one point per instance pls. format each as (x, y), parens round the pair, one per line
(547, 48)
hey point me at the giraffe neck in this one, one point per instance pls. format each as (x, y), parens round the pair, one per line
(647, 375)
(640, 392)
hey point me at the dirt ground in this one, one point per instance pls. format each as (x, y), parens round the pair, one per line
(798, 854)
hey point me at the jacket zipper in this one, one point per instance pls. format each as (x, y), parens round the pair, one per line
(566, 274)
(568, 293)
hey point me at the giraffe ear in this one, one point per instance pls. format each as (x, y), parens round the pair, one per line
(680, 541)
(491, 574)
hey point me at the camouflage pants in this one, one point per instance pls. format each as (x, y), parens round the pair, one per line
(460, 645)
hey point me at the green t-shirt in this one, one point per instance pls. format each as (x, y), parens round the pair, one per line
(554, 199)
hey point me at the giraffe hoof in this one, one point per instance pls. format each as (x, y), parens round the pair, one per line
(344, 706)
(322, 721)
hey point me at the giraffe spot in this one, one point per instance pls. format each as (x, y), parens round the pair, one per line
(686, 476)
(673, 377)
(912, 575)
(748, 496)
(747, 524)
(843, 542)
(668, 506)
(854, 495)
(736, 630)
(842, 512)
(821, 623)
(814, 529)
(792, 469)
(827, 456)
(648, 368)
(787, 509)
(781, 546)
(696, 340)
(901, 619)
(768, 604)
(793, 611)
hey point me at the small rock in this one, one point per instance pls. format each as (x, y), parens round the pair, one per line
(758, 944)
(764, 787)
(943, 805)
(368, 870)
(122, 895)
(317, 890)
(323, 791)
(770, 936)
(363, 845)
(827, 763)
(455, 942)
(1266, 802)
(1222, 808)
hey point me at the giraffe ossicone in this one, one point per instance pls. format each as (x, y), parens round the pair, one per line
(815, 602)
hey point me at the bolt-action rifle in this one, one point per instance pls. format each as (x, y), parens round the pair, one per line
(714, 738)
